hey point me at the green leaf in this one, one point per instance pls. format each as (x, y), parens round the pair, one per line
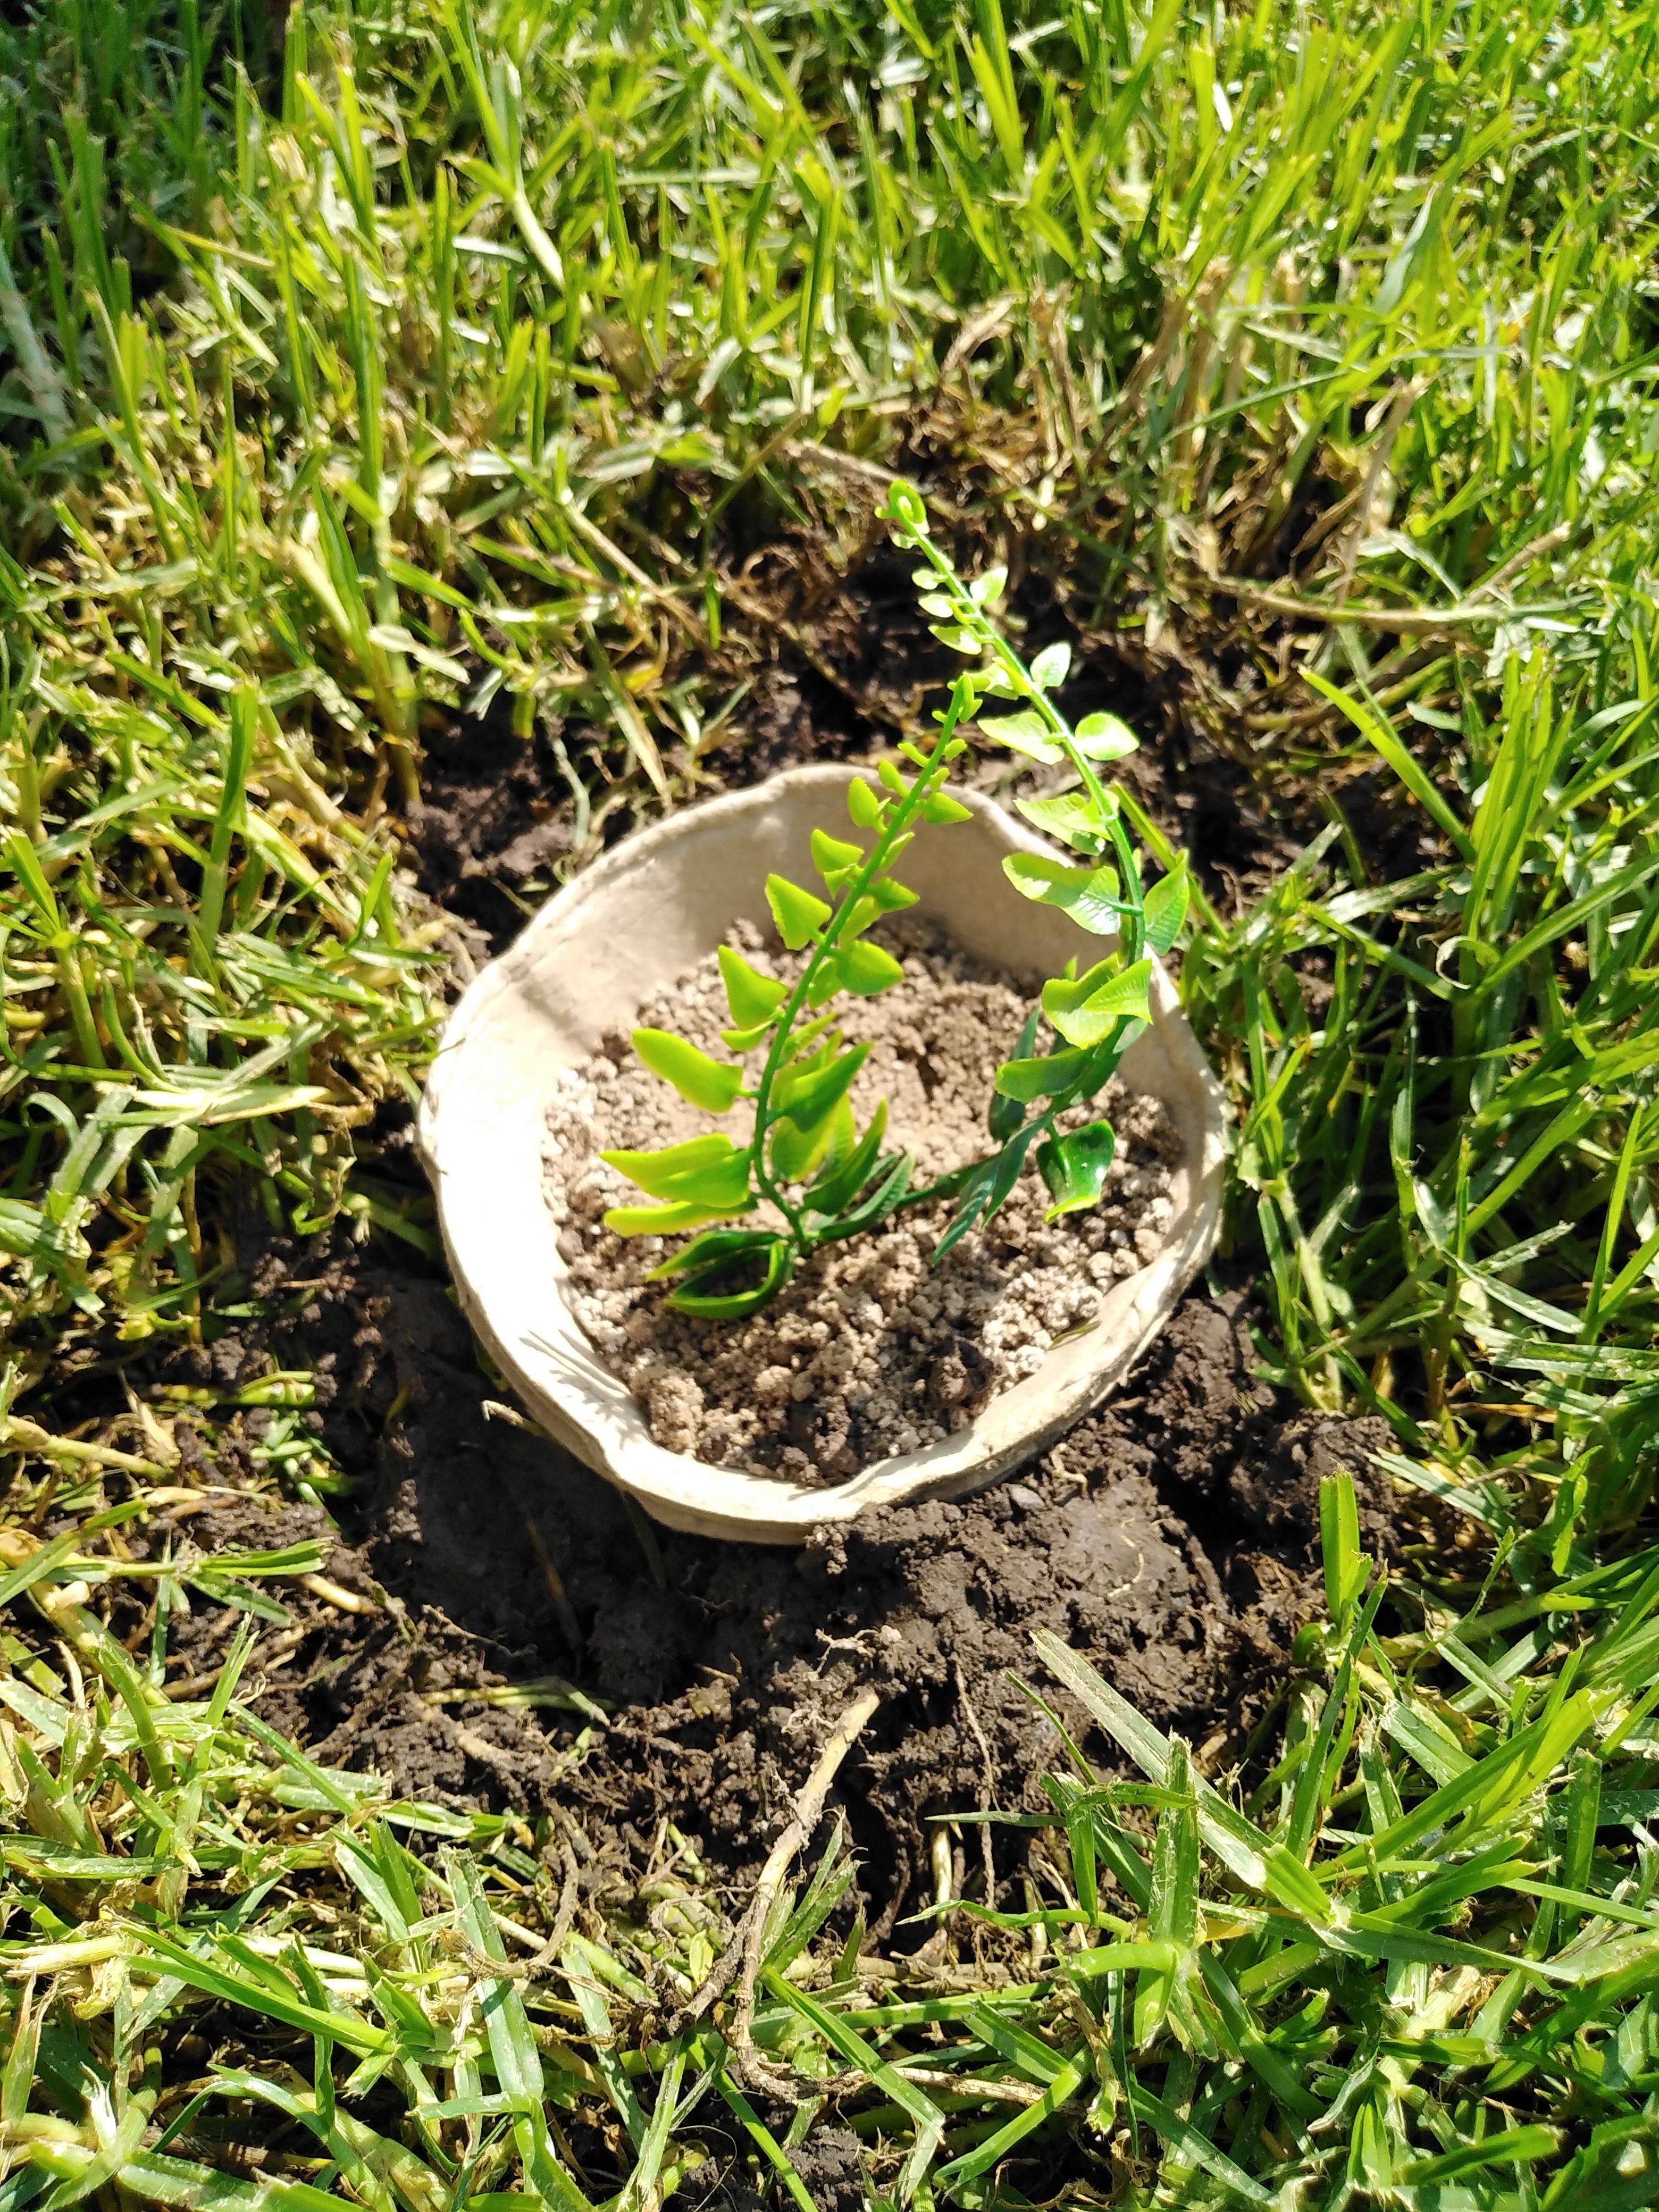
(987, 589)
(833, 858)
(668, 1220)
(752, 997)
(706, 1172)
(889, 1187)
(1346, 1567)
(1520, 2146)
(996, 683)
(49, 1557)
(843, 1141)
(941, 807)
(987, 1189)
(886, 896)
(864, 805)
(732, 1305)
(807, 1098)
(843, 1181)
(742, 1041)
(865, 970)
(1400, 759)
(1075, 1167)
(1025, 1080)
(21, 860)
(798, 915)
(1260, 1863)
(703, 1081)
(814, 1046)
(1083, 1015)
(927, 2122)
(1005, 1112)
(1088, 895)
(826, 982)
(656, 1173)
(1071, 817)
(1105, 738)
(904, 506)
(711, 1246)
(1166, 909)
(894, 781)
(798, 1153)
(1024, 732)
(1052, 666)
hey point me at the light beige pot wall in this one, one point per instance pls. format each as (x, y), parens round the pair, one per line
(634, 922)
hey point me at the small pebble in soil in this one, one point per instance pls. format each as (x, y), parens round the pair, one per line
(871, 1350)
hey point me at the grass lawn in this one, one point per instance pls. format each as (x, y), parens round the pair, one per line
(538, 369)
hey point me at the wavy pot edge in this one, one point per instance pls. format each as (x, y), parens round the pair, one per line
(635, 920)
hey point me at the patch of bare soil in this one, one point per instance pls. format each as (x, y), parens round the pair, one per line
(1170, 1537)
(872, 1349)
(830, 666)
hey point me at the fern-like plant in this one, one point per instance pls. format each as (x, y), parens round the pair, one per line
(823, 1177)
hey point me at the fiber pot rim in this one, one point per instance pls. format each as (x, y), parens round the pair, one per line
(581, 966)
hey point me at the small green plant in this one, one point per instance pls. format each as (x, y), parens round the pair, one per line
(807, 1156)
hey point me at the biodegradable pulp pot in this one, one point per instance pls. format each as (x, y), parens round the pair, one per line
(633, 922)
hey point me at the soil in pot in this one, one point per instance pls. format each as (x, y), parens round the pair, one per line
(872, 1350)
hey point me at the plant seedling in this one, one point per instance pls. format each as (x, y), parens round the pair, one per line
(806, 1157)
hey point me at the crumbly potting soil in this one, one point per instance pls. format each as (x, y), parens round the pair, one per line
(872, 1349)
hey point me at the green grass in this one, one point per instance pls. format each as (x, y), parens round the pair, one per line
(452, 362)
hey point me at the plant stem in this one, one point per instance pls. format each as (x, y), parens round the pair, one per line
(971, 616)
(904, 815)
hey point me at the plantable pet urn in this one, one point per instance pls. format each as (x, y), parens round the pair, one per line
(631, 925)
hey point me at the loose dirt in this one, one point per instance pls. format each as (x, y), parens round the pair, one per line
(872, 1349)
(1170, 1537)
